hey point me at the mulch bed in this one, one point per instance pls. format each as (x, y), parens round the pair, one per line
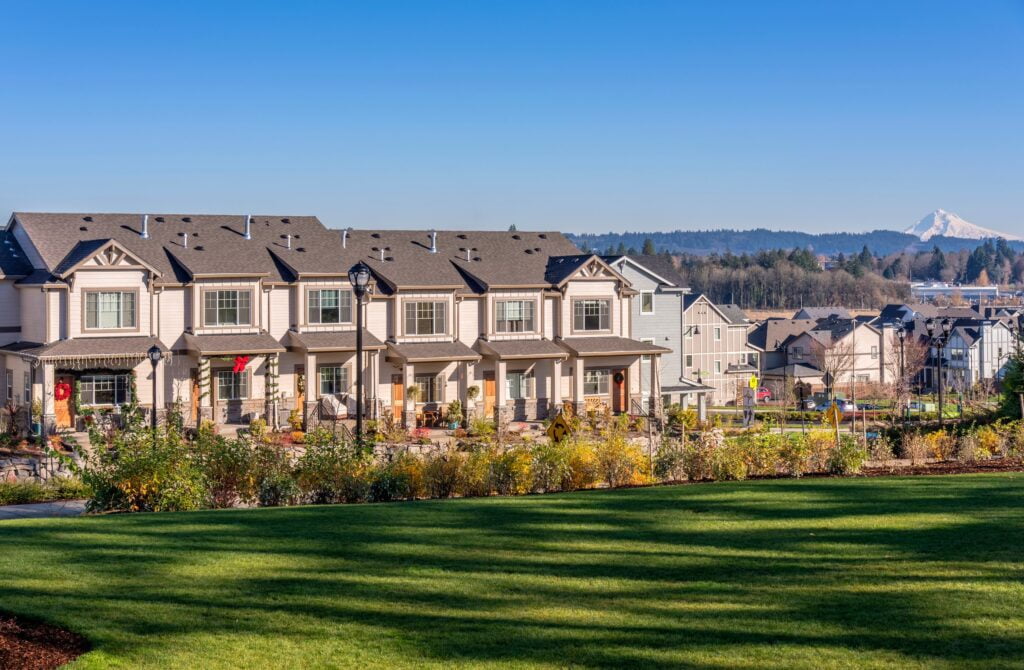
(30, 645)
(948, 468)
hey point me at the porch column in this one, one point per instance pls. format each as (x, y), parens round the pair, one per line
(312, 390)
(45, 385)
(465, 368)
(205, 390)
(577, 384)
(271, 390)
(160, 401)
(409, 409)
(555, 394)
(502, 413)
(655, 392)
(702, 406)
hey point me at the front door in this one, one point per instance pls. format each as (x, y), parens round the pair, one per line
(620, 390)
(300, 389)
(490, 393)
(397, 396)
(62, 411)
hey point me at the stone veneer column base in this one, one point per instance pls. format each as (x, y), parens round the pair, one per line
(502, 417)
(409, 418)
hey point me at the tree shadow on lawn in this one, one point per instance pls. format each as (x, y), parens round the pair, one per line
(692, 575)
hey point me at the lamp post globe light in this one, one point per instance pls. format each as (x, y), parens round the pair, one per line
(359, 277)
(155, 355)
(904, 387)
(939, 336)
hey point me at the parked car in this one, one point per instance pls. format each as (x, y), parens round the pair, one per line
(844, 406)
(808, 404)
(763, 394)
(868, 406)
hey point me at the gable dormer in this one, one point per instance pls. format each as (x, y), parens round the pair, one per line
(100, 254)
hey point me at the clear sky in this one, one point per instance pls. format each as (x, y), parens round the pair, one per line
(576, 116)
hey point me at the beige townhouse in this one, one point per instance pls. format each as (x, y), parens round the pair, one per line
(254, 316)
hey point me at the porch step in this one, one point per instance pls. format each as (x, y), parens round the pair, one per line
(81, 439)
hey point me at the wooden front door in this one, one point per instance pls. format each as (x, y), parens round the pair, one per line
(62, 409)
(194, 376)
(490, 393)
(620, 390)
(397, 397)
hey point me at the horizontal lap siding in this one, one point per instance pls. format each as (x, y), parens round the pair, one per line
(88, 280)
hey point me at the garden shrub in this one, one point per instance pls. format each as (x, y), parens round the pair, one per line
(620, 462)
(729, 462)
(278, 488)
(760, 451)
(797, 451)
(481, 426)
(399, 479)
(582, 467)
(668, 461)
(475, 476)
(229, 468)
(820, 443)
(940, 445)
(143, 472)
(992, 440)
(849, 457)
(915, 447)
(510, 471)
(881, 449)
(441, 474)
(967, 449)
(699, 454)
(58, 488)
(1015, 439)
(549, 465)
(331, 472)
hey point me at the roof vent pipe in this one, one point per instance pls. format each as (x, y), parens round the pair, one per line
(145, 227)
(288, 241)
(344, 239)
(184, 240)
(248, 227)
(381, 250)
(433, 241)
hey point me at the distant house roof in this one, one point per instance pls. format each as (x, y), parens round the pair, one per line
(794, 371)
(731, 313)
(517, 349)
(661, 266)
(822, 313)
(771, 334)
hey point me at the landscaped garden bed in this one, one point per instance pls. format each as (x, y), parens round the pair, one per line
(32, 645)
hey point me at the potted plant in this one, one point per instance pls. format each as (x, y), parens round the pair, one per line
(37, 416)
(454, 414)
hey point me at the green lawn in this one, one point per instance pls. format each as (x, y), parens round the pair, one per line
(819, 573)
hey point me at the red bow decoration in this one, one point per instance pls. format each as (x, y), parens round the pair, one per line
(240, 363)
(62, 391)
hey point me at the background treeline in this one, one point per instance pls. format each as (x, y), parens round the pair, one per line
(781, 279)
(706, 242)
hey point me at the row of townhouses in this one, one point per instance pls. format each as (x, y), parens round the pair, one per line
(255, 316)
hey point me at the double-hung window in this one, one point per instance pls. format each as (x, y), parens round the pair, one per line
(9, 382)
(718, 333)
(232, 385)
(874, 352)
(425, 317)
(110, 310)
(430, 388)
(27, 378)
(104, 389)
(518, 385)
(591, 315)
(595, 382)
(333, 379)
(515, 316)
(330, 306)
(647, 302)
(718, 367)
(227, 307)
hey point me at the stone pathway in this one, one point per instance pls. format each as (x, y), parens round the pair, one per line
(42, 510)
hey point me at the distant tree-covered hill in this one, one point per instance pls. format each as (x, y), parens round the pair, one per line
(703, 242)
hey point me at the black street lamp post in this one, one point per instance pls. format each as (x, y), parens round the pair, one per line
(939, 338)
(359, 276)
(155, 355)
(901, 333)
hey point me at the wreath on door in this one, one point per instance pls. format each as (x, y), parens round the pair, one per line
(619, 377)
(240, 363)
(62, 391)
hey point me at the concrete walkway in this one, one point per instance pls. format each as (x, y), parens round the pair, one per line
(42, 510)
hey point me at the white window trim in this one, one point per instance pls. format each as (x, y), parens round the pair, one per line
(642, 294)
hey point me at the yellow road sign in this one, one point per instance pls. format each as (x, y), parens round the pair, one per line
(559, 428)
(753, 381)
(833, 415)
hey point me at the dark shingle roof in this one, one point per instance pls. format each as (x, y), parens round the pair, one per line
(88, 348)
(734, 314)
(13, 262)
(512, 349)
(663, 266)
(773, 333)
(822, 313)
(495, 258)
(215, 243)
(212, 345)
(423, 352)
(608, 345)
(344, 340)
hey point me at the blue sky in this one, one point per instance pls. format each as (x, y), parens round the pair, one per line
(576, 116)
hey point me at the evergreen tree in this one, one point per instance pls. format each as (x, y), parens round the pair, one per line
(512, 228)
(1013, 387)
(648, 249)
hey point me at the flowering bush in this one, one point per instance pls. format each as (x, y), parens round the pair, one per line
(400, 479)
(510, 471)
(848, 458)
(442, 473)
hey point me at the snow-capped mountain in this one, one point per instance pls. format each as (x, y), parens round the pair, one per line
(948, 224)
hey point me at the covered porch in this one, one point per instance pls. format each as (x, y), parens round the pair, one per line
(328, 360)
(234, 378)
(440, 372)
(524, 382)
(605, 374)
